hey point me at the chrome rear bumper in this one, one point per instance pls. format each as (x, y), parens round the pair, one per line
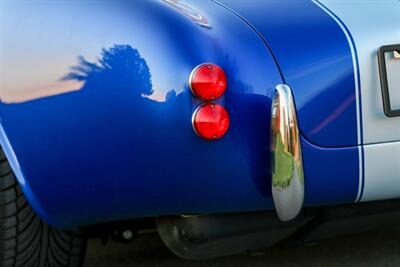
(286, 157)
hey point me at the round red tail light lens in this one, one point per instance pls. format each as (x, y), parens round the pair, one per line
(211, 121)
(208, 81)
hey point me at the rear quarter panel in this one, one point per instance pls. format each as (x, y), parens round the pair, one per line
(96, 109)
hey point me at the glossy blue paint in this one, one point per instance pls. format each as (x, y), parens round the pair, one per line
(315, 59)
(356, 67)
(96, 109)
(332, 174)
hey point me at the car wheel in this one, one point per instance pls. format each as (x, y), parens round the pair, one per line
(25, 239)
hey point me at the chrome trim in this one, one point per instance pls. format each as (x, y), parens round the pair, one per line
(194, 115)
(396, 54)
(286, 158)
(192, 75)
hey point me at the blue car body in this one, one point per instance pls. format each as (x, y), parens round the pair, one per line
(95, 113)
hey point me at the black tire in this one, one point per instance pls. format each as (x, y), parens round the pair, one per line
(25, 239)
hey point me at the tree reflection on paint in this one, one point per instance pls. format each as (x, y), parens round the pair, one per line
(120, 67)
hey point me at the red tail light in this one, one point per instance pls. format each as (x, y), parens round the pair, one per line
(208, 81)
(211, 121)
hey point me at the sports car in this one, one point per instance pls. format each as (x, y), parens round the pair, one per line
(227, 125)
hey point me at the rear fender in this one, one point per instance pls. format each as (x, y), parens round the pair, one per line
(96, 109)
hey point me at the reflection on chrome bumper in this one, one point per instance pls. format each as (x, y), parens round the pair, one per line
(286, 158)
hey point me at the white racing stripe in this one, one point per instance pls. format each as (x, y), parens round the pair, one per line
(373, 24)
(357, 95)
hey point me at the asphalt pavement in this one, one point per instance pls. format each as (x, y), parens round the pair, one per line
(369, 249)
